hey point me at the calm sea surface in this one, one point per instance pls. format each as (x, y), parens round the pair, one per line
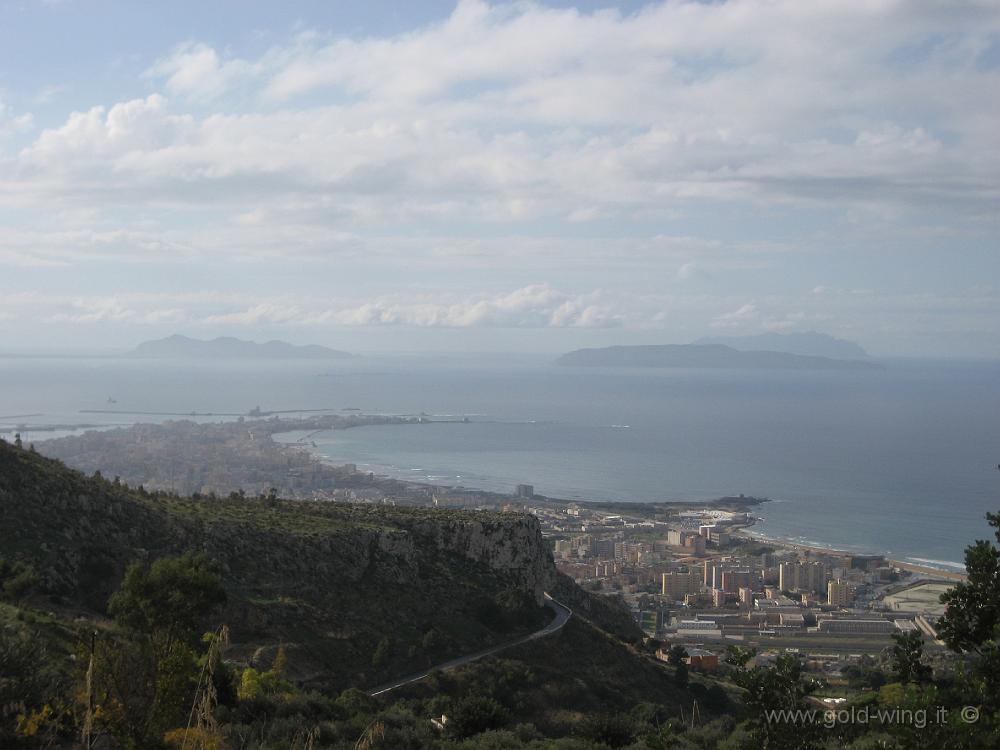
(901, 460)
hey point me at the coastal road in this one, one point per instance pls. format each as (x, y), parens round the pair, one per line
(563, 614)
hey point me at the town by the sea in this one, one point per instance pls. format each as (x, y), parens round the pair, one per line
(900, 461)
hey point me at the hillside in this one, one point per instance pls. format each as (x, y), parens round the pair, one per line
(713, 356)
(321, 599)
(226, 347)
(325, 579)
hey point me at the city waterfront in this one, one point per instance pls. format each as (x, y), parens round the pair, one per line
(899, 462)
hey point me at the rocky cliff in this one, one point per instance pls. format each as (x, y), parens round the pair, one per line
(330, 580)
(508, 544)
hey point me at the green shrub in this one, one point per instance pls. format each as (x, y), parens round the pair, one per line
(474, 714)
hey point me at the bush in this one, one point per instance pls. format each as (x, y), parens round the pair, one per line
(475, 714)
(313, 706)
(178, 739)
(357, 703)
(613, 730)
(17, 580)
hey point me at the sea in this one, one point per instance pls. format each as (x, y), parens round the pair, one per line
(900, 460)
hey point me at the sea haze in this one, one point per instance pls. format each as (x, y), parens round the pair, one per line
(899, 460)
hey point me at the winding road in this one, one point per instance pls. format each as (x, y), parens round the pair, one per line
(563, 614)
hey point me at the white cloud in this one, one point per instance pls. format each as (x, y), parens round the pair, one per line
(195, 70)
(537, 306)
(48, 94)
(10, 123)
(64, 248)
(112, 309)
(854, 314)
(99, 139)
(739, 318)
(520, 111)
(688, 146)
(688, 270)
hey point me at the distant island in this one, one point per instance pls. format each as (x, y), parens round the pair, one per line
(227, 347)
(808, 344)
(703, 355)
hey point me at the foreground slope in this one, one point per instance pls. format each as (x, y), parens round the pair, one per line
(329, 581)
(340, 596)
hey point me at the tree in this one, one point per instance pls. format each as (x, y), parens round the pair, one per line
(681, 675)
(250, 686)
(972, 617)
(769, 690)
(907, 657)
(16, 581)
(431, 641)
(382, 652)
(273, 680)
(971, 625)
(254, 683)
(30, 681)
(518, 609)
(610, 730)
(146, 675)
(474, 714)
(864, 676)
(168, 601)
(676, 656)
(356, 703)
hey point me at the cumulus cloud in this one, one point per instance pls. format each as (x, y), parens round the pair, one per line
(64, 248)
(195, 70)
(777, 314)
(101, 141)
(111, 309)
(536, 306)
(514, 111)
(738, 318)
(11, 123)
(677, 145)
(690, 270)
(852, 313)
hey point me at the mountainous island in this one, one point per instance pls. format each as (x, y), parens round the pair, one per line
(227, 347)
(808, 344)
(715, 356)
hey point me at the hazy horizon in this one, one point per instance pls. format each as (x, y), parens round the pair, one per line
(445, 346)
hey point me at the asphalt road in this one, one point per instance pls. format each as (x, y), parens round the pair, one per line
(563, 614)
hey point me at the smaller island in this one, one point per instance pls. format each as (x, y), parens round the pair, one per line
(227, 347)
(712, 356)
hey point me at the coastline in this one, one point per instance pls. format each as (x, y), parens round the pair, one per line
(950, 574)
(744, 530)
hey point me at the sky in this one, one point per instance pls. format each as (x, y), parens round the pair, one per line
(500, 176)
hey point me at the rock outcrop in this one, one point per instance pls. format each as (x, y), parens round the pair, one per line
(334, 578)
